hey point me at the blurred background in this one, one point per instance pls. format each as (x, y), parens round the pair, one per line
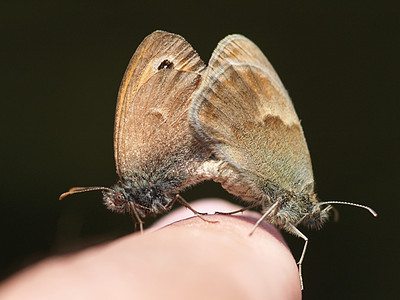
(61, 66)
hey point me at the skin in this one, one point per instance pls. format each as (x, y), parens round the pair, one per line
(177, 258)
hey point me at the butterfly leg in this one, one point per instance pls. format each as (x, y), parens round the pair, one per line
(298, 233)
(136, 218)
(273, 208)
(239, 210)
(182, 201)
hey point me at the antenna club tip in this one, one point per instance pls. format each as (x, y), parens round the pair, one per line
(373, 212)
(63, 195)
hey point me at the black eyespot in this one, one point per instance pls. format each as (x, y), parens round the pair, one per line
(166, 64)
(213, 157)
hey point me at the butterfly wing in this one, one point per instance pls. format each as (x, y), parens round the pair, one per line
(156, 133)
(244, 112)
(151, 124)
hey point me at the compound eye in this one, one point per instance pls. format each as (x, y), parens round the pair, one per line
(119, 199)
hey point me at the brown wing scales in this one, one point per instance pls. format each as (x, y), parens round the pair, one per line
(159, 52)
(147, 137)
(244, 110)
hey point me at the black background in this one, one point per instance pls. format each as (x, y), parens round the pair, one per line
(61, 65)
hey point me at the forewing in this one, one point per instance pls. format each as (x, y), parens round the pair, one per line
(246, 115)
(156, 132)
(237, 49)
(158, 51)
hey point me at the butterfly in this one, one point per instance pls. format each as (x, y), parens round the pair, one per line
(156, 155)
(244, 114)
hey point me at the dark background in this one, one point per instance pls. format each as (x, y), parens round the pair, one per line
(61, 66)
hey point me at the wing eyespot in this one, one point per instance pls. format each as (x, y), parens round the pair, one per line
(166, 64)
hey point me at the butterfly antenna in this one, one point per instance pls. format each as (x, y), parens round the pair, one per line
(76, 190)
(373, 212)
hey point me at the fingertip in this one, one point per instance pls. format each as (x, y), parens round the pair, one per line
(260, 266)
(266, 264)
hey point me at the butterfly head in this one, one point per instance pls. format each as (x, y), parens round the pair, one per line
(295, 209)
(313, 215)
(137, 196)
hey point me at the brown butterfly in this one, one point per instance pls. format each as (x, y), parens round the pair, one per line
(156, 155)
(244, 114)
